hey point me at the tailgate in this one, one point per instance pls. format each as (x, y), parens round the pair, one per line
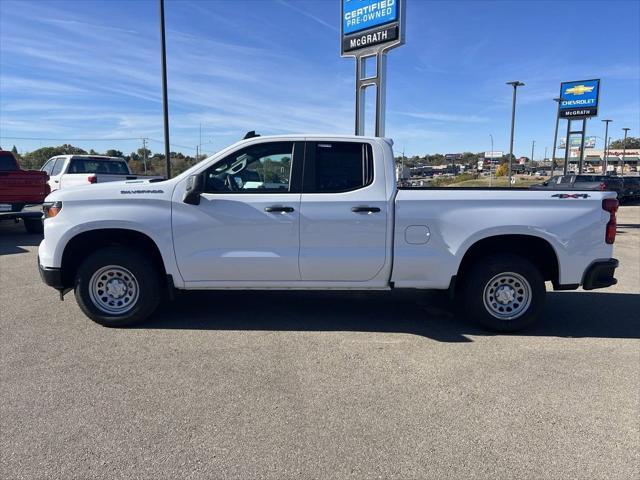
(23, 186)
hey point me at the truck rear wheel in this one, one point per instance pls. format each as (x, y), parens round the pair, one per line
(503, 292)
(117, 286)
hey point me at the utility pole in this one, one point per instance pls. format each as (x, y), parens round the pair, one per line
(165, 101)
(515, 85)
(491, 163)
(624, 148)
(555, 137)
(533, 147)
(605, 163)
(144, 154)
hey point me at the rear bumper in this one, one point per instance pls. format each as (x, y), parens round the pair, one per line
(51, 276)
(600, 274)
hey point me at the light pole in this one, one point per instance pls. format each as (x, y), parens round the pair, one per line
(165, 102)
(624, 148)
(555, 137)
(515, 85)
(605, 164)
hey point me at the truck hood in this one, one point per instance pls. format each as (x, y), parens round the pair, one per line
(113, 190)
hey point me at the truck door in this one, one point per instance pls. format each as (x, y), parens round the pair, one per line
(56, 173)
(247, 225)
(343, 213)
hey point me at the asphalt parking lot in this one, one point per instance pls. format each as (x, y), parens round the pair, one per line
(318, 385)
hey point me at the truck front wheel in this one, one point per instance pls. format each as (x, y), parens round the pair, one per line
(503, 292)
(117, 286)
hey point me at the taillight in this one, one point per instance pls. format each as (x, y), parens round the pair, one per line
(50, 210)
(603, 187)
(610, 205)
(92, 179)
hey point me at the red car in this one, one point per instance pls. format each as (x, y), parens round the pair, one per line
(19, 187)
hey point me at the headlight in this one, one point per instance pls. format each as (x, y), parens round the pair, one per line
(51, 209)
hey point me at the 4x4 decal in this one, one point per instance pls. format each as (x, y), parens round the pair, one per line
(571, 195)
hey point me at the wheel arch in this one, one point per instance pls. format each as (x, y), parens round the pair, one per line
(539, 251)
(85, 243)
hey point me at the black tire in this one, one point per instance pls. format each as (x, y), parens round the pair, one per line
(503, 278)
(145, 278)
(33, 225)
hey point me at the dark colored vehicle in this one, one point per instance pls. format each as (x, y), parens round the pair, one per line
(631, 188)
(603, 183)
(20, 187)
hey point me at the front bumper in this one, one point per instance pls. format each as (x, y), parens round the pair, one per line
(600, 274)
(51, 276)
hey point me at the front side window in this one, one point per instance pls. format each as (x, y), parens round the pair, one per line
(261, 168)
(339, 167)
(48, 166)
(57, 167)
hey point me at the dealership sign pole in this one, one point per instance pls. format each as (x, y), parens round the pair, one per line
(369, 29)
(578, 101)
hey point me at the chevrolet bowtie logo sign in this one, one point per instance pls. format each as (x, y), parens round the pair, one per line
(579, 90)
(579, 99)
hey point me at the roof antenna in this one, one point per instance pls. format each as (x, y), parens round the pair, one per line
(251, 134)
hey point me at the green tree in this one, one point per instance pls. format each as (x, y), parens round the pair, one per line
(632, 143)
(114, 153)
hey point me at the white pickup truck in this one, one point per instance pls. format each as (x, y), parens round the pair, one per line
(78, 170)
(321, 212)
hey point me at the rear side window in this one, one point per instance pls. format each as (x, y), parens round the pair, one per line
(335, 167)
(565, 179)
(7, 162)
(92, 165)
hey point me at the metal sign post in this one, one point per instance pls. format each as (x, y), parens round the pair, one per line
(369, 29)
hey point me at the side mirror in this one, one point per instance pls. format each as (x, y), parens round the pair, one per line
(545, 183)
(195, 187)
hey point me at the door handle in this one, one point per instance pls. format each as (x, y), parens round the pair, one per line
(276, 209)
(365, 209)
(56, 181)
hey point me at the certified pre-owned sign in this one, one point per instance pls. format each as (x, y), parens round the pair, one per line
(579, 99)
(369, 23)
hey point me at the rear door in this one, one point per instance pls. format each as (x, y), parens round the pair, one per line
(343, 214)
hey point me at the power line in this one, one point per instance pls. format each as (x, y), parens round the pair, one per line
(70, 139)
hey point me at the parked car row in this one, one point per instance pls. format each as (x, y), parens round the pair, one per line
(627, 188)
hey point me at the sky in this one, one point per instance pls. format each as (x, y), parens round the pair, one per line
(89, 72)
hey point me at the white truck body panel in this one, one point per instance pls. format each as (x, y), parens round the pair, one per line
(417, 239)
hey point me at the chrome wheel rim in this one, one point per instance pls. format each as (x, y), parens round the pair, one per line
(114, 290)
(507, 296)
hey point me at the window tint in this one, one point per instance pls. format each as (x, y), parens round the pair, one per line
(340, 167)
(7, 162)
(57, 167)
(565, 179)
(262, 168)
(97, 165)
